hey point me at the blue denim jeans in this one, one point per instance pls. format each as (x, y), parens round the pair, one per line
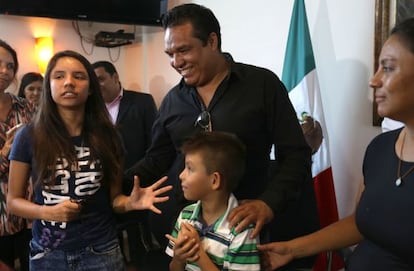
(99, 257)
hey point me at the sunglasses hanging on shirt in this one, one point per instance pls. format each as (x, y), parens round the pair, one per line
(204, 121)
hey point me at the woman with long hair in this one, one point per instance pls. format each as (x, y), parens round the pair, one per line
(75, 154)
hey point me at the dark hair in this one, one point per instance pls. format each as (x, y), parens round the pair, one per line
(27, 79)
(405, 30)
(202, 19)
(108, 66)
(97, 131)
(222, 152)
(6, 46)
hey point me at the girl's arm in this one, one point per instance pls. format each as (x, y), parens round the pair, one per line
(140, 198)
(17, 203)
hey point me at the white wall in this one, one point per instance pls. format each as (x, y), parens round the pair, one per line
(253, 32)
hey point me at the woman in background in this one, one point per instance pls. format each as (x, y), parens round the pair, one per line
(31, 86)
(14, 235)
(74, 154)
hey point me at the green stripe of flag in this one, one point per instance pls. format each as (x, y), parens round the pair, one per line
(299, 59)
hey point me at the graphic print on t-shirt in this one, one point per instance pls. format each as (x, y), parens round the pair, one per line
(79, 181)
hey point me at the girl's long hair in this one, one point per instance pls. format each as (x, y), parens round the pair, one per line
(53, 141)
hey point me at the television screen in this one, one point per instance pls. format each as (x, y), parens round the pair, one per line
(139, 12)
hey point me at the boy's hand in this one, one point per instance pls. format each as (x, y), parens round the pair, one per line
(185, 249)
(188, 230)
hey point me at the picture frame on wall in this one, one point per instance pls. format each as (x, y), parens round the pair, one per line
(387, 14)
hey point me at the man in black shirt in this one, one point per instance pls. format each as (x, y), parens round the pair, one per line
(216, 93)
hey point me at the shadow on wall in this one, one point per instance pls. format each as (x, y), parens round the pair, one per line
(158, 88)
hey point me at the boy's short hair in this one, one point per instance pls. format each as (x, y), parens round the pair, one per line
(222, 152)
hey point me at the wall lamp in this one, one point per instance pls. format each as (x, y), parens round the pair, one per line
(44, 51)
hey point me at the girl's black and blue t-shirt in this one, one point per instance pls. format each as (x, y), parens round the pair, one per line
(95, 224)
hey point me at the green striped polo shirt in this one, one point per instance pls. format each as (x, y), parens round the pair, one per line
(226, 248)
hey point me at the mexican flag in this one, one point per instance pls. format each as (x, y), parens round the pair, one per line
(300, 78)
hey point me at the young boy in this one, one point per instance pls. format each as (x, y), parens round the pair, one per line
(201, 238)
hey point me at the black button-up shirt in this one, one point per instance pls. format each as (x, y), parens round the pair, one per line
(253, 104)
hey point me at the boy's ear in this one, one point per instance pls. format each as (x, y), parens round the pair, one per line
(216, 182)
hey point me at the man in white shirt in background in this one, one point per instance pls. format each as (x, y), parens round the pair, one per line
(133, 113)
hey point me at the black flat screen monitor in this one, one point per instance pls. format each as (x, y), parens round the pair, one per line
(138, 12)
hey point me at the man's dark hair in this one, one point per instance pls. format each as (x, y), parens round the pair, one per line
(106, 65)
(202, 19)
(221, 152)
